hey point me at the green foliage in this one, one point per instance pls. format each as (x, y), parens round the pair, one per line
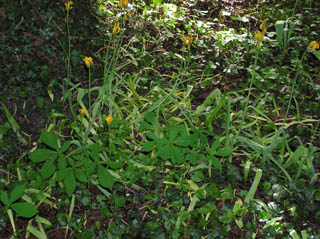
(185, 125)
(23, 209)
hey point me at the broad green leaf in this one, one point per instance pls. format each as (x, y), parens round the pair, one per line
(151, 135)
(120, 202)
(70, 183)
(177, 157)
(50, 139)
(144, 126)
(173, 132)
(65, 146)
(227, 193)
(63, 173)
(216, 163)
(197, 177)
(80, 175)
(24, 209)
(40, 155)
(223, 152)
(48, 169)
(213, 191)
(215, 145)
(148, 146)
(164, 151)
(227, 216)
(150, 117)
(17, 193)
(316, 54)
(4, 198)
(105, 178)
(183, 141)
(115, 165)
(62, 162)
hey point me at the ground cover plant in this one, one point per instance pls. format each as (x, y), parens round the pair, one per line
(159, 119)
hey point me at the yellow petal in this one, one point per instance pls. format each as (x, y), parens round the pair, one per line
(116, 29)
(313, 45)
(83, 112)
(68, 5)
(109, 119)
(88, 61)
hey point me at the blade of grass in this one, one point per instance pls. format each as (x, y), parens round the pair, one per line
(254, 186)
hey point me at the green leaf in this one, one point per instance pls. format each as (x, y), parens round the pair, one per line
(65, 146)
(24, 209)
(50, 139)
(216, 163)
(164, 152)
(4, 198)
(215, 145)
(177, 157)
(13, 124)
(40, 155)
(148, 146)
(254, 186)
(10, 118)
(223, 152)
(316, 54)
(80, 175)
(213, 191)
(63, 173)
(183, 141)
(105, 178)
(157, 2)
(197, 177)
(48, 169)
(216, 110)
(16, 193)
(173, 132)
(150, 117)
(62, 162)
(70, 183)
(120, 202)
(227, 216)
(38, 234)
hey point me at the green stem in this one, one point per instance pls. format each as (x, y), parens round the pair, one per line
(69, 68)
(89, 90)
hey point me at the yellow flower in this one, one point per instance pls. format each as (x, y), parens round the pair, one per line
(313, 45)
(88, 61)
(123, 3)
(109, 119)
(68, 5)
(259, 37)
(263, 27)
(83, 112)
(116, 29)
(187, 41)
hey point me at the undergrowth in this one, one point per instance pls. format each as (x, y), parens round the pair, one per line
(160, 120)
